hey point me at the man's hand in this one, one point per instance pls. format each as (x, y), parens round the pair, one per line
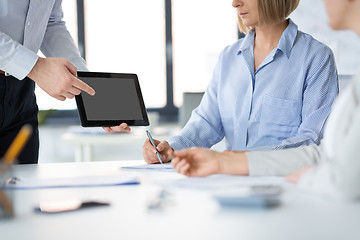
(58, 78)
(121, 128)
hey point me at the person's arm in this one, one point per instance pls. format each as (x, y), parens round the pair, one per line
(283, 162)
(204, 128)
(54, 76)
(58, 76)
(58, 42)
(320, 91)
(15, 59)
(198, 162)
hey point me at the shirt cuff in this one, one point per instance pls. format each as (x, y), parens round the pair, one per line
(174, 143)
(80, 64)
(21, 63)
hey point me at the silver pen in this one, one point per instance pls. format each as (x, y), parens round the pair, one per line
(153, 143)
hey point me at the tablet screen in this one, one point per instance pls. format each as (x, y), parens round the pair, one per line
(117, 99)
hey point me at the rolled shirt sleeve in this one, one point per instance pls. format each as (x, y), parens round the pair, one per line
(42, 27)
(204, 128)
(15, 59)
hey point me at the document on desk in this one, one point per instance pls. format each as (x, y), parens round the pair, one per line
(124, 178)
(158, 167)
(220, 181)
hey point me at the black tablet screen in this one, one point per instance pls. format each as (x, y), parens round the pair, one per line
(115, 98)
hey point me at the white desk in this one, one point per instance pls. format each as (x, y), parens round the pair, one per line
(301, 216)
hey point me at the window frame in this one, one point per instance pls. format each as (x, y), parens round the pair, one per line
(168, 113)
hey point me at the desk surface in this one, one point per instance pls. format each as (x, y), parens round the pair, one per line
(301, 215)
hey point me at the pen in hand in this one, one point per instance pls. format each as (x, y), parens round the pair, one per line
(154, 145)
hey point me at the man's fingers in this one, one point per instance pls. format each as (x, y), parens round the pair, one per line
(61, 98)
(74, 91)
(71, 67)
(124, 126)
(68, 95)
(84, 87)
(107, 129)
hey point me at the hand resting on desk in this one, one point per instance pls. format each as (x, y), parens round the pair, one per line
(199, 162)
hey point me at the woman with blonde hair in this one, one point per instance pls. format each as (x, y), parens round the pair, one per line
(337, 170)
(273, 89)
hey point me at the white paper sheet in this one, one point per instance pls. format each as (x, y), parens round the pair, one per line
(223, 181)
(159, 167)
(123, 178)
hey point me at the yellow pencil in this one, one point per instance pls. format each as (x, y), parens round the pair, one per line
(17, 145)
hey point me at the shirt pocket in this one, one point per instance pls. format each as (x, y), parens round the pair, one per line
(280, 118)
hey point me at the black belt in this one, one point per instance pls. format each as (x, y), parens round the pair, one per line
(4, 73)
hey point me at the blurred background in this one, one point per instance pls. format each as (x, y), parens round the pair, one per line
(172, 45)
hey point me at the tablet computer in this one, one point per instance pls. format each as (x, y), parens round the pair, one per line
(117, 99)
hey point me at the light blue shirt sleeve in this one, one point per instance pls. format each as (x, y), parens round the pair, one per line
(25, 27)
(320, 91)
(283, 104)
(57, 40)
(204, 127)
(15, 58)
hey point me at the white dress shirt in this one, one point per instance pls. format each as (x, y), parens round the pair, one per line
(27, 26)
(337, 170)
(339, 173)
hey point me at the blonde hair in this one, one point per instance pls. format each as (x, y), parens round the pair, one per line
(271, 12)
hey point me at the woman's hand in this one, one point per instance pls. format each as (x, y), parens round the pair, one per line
(149, 151)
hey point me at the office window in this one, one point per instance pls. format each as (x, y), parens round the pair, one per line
(129, 37)
(44, 101)
(201, 29)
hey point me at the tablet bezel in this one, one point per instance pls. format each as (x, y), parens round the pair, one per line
(109, 123)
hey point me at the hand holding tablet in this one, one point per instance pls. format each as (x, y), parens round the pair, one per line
(118, 100)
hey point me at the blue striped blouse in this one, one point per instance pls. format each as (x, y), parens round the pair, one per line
(284, 104)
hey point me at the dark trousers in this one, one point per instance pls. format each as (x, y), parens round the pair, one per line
(18, 107)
